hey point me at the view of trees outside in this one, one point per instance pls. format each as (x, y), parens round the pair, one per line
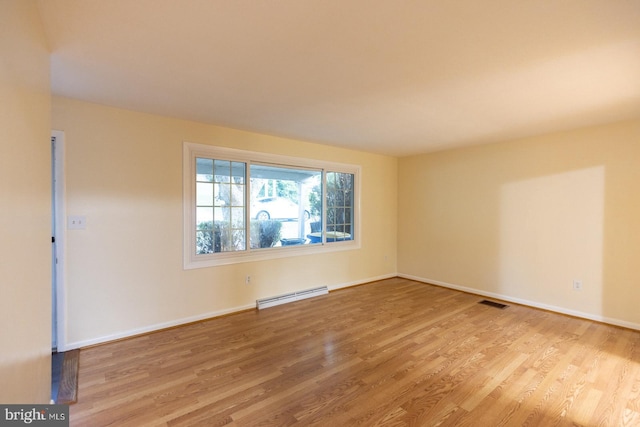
(340, 199)
(220, 218)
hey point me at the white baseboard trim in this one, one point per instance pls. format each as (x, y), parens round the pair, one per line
(361, 282)
(535, 304)
(157, 327)
(178, 322)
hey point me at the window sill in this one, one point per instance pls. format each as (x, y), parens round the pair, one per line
(213, 260)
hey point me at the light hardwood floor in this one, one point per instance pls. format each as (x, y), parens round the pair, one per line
(389, 353)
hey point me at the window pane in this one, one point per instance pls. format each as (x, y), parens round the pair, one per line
(237, 218)
(239, 240)
(204, 170)
(220, 207)
(284, 203)
(204, 194)
(222, 194)
(237, 195)
(222, 170)
(340, 196)
(204, 215)
(238, 172)
(204, 242)
(223, 213)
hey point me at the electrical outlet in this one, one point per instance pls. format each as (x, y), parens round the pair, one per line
(577, 285)
(247, 280)
(76, 222)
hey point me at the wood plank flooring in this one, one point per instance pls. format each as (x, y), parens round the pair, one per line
(389, 353)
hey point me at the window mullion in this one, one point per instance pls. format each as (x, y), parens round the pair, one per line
(324, 206)
(247, 205)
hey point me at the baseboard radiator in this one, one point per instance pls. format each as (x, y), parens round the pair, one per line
(290, 297)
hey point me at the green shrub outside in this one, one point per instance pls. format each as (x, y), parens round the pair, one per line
(212, 237)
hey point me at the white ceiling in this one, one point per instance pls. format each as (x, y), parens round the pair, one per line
(389, 76)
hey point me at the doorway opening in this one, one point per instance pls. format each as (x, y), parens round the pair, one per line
(58, 306)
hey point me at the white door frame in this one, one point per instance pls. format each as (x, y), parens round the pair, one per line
(61, 239)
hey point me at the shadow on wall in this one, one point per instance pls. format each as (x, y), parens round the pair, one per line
(551, 234)
(525, 219)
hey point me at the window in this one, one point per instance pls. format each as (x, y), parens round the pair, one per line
(243, 206)
(220, 206)
(339, 206)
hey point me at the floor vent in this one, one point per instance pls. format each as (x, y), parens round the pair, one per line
(493, 304)
(293, 296)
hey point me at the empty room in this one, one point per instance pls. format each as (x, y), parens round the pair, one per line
(220, 212)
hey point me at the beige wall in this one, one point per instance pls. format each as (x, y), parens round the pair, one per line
(523, 219)
(25, 216)
(124, 272)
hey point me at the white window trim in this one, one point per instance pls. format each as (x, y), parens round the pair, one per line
(191, 260)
